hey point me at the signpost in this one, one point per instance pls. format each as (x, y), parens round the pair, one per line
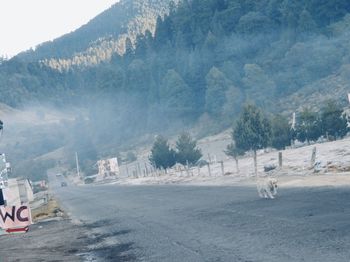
(15, 219)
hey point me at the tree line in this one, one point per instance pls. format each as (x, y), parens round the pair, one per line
(185, 152)
(254, 130)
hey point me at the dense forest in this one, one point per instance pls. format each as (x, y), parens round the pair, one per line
(201, 62)
(206, 56)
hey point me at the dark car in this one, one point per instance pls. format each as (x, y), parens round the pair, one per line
(64, 184)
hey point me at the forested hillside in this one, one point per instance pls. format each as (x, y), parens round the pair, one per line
(236, 49)
(102, 36)
(206, 58)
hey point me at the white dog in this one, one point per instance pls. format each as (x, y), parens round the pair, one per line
(267, 187)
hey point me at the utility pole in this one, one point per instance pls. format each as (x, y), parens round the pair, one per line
(77, 163)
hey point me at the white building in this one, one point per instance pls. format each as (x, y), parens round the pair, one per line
(18, 192)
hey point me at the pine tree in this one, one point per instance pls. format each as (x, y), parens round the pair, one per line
(333, 120)
(308, 127)
(281, 132)
(186, 150)
(162, 156)
(233, 151)
(252, 131)
(215, 96)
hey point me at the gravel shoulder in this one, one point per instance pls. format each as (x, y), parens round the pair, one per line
(63, 240)
(46, 241)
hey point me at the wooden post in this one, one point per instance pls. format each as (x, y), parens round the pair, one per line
(187, 171)
(199, 170)
(280, 159)
(127, 170)
(255, 164)
(209, 169)
(139, 168)
(209, 158)
(146, 168)
(222, 168)
(313, 157)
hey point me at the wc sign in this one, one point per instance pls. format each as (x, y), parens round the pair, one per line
(15, 219)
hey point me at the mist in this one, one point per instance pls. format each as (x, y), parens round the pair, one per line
(171, 81)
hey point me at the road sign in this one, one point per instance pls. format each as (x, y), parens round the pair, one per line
(15, 219)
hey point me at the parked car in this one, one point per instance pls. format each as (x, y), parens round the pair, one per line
(64, 184)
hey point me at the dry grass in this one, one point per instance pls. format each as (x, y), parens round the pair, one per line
(50, 210)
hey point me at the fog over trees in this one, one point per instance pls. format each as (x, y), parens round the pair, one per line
(196, 66)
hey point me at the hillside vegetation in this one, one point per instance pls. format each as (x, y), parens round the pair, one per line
(193, 66)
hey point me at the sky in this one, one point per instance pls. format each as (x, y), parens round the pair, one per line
(27, 23)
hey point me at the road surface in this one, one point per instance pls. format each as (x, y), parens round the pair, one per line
(185, 223)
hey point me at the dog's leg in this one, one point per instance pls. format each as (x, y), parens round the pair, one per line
(258, 188)
(265, 193)
(270, 194)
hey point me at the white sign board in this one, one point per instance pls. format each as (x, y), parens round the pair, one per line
(15, 219)
(108, 168)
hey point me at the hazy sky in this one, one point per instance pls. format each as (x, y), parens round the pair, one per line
(27, 23)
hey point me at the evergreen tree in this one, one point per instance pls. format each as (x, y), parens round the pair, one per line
(333, 120)
(233, 151)
(306, 23)
(281, 132)
(308, 126)
(252, 131)
(215, 96)
(186, 150)
(162, 156)
(176, 94)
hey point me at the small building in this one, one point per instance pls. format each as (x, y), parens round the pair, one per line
(18, 192)
(25, 191)
(107, 169)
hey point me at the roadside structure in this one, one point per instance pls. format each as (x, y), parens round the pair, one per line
(15, 195)
(107, 169)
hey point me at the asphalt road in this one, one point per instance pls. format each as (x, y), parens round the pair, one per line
(186, 223)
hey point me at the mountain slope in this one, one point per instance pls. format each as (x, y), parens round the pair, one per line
(103, 36)
(205, 59)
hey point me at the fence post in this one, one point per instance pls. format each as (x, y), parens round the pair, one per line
(146, 168)
(222, 168)
(209, 169)
(313, 157)
(187, 171)
(280, 159)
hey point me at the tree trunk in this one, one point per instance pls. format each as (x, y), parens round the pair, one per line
(237, 167)
(255, 164)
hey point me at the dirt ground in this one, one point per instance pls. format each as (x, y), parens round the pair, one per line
(45, 241)
(61, 240)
